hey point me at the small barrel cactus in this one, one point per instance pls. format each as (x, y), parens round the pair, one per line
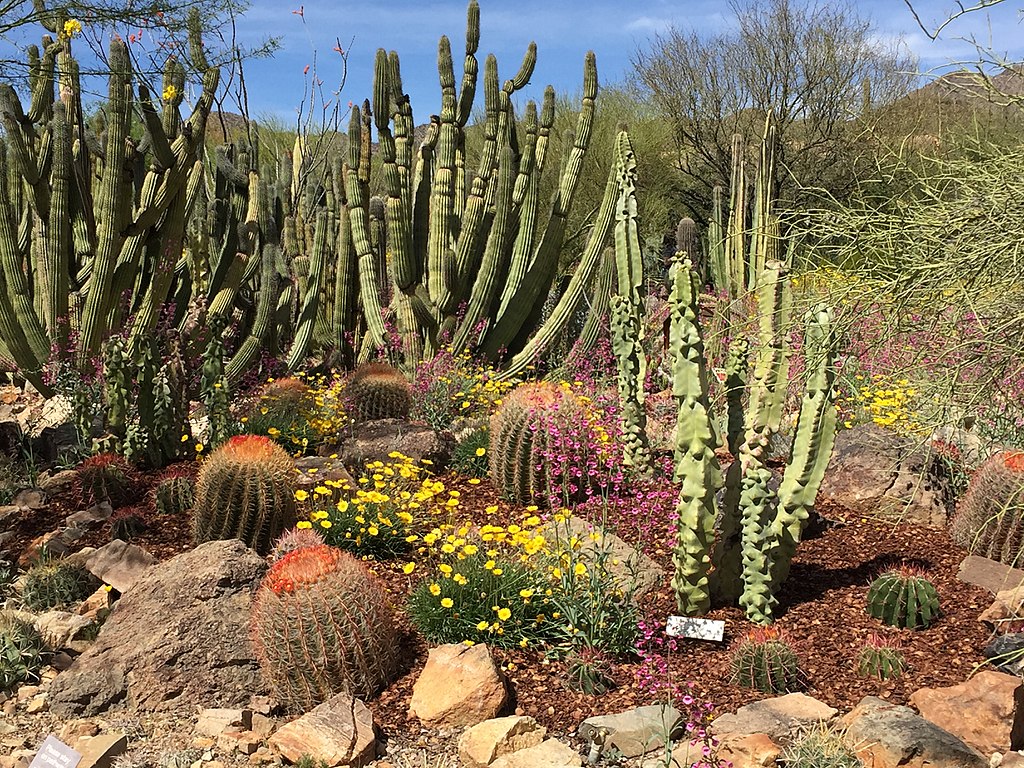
(880, 657)
(22, 652)
(106, 477)
(321, 625)
(126, 524)
(765, 660)
(541, 443)
(989, 519)
(378, 391)
(293, 539)
(245, 490)
(903, 597)
(56, 584)
(174, 496)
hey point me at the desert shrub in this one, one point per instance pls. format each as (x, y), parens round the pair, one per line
(449, 387)
(22, 652)
(470, 454)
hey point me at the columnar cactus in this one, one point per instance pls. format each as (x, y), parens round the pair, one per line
(903, 598)
(321, 625)
(245, 490)
(989, 518)
(529, 439)
(377, 391)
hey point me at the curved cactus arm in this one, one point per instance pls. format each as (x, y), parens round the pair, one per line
(597, 314)
(161, 147)
(41, 78)
(24, 156)
(470, 67)
(528, 300)
(812, 443)
(696, 466)
(266, 302)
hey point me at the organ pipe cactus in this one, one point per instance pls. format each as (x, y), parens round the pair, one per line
(758, 528)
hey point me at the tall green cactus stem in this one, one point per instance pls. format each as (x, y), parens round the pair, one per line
(311, 301)
(735, 243)
(245, 490)
(321, 624)
(812, 443)
(735, 388)
(214, 385)
(696, 466)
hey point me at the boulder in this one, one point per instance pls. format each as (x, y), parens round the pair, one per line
(59, 628)
(989, 574)
(779, 717)
(1008, 607)
(634, 732)
(99, 751)
(120, 564)
(628, 566)
(1006, 652)
(460, 685)
(550, 753)
(93, 517)
(375, 440)
(480, 745)
(982, 711)
(876, 472)
(179, 638)
(338, 732)
(888, 735)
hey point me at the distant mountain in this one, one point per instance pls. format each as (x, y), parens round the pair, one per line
(970, 88)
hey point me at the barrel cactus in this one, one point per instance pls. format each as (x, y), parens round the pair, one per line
(764, 660)
(106, 477)
(294, 539)
(321, 625)
(22, 652)
(881, 658)
(541, 445)
(903, 597)
(989, 519)
(245, 490)
(378, 391)
(174, 496)
(56, 584)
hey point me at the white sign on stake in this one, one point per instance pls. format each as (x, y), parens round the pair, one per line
(54, 753)
(697, 629)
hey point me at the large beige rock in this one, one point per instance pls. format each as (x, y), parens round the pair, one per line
(980, 711)
(989, 574)
(634, 732)
(178, 639)
(755, 750)
(339, 732)
(1007, 606)
(550, 753)
(779, 717)
(99, 751)
(888, 735)
(460, 685)
(120, 564)
(480, 745)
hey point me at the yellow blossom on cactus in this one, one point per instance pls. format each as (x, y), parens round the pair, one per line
(170, 93)
(72, 28)
(447, 602)
(435, 589)
(301, 495)
(408, 568)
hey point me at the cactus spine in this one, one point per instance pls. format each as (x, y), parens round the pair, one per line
(245, 490)
(320, 625)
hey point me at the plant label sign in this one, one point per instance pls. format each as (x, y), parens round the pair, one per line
(54, 753)
(697, 629)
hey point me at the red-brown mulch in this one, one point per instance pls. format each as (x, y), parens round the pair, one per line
(822, 610)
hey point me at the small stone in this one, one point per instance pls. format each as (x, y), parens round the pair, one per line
(37, 704)
(91, 518)
(483, 742)
(634, 732)
(61, 661)
(460, 685)
(213, 722)
(778, 717)
(981, 711)
(340, 732)
(26, 692)
(30, 498)
(203, 742)
(76, 729)
(262, 725)
(120, 564)
(550, 753)
(100, 751)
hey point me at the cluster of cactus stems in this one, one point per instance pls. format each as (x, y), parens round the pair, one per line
(741, 244)
(747, 557)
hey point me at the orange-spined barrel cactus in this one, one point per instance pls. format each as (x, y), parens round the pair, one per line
(542, 445)
(378, 391)
(321, 625)
(245, 490)
(989, 518)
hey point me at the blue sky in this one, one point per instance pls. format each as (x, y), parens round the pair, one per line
(564, 31)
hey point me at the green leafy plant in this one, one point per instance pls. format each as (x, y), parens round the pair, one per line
(283, 412)
(470, 454)
(880, 657)
(245, 490)
(764, 660)
(56, 583)
(22, 652)
(483, 597)
(321, 624)
(903, 597)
